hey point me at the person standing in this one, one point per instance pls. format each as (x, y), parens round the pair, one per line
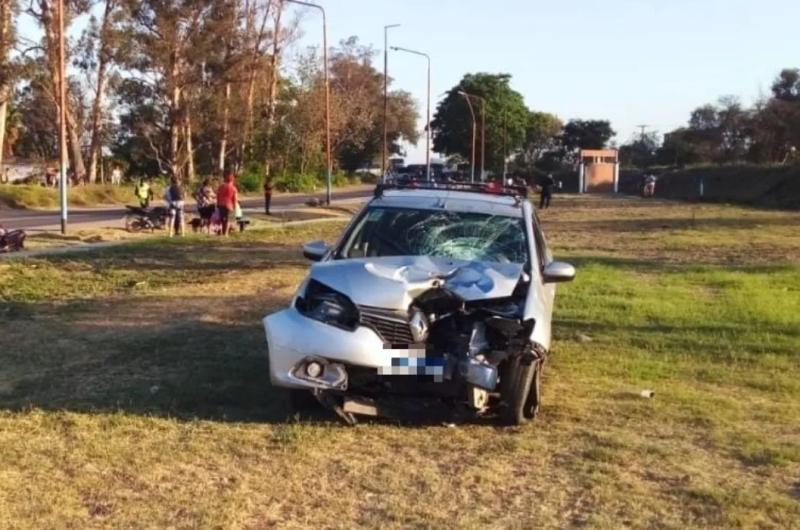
(267, 194)
(144, 193)
(206, 203)
(227, 197)
(174, 196)
(547, 191)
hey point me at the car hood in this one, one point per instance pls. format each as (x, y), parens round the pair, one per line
(394, 282)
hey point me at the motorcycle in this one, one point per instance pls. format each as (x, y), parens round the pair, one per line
(649, 187)
(138, 218)
(11, 240)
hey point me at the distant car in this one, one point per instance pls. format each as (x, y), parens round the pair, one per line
(431, 297)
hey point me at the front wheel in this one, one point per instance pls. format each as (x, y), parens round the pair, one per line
(520, 390)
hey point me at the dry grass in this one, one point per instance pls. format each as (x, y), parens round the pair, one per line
(134, 393)
(32, 196)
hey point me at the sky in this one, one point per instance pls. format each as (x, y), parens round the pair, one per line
(632, 62)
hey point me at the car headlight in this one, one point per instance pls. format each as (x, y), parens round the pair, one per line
(322, 303)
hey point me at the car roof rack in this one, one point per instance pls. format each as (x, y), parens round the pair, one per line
(487, 188)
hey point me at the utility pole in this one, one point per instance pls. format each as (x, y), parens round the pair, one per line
(483, 138)
(62, 119)
(384, 149)
(505, 145)
(428, 123)
(472, 113)
(642, 128)
(327, 95)
(483, 130)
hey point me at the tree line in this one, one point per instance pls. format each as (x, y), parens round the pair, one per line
(728, 132)
(189, 88)
(525, 141)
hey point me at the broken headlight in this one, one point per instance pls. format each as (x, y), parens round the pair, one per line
(322, 303)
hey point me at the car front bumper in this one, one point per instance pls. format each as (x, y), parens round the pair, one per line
(293, 338)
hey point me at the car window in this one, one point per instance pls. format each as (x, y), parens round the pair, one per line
(458, 235)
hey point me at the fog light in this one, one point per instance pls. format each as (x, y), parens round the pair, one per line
(313, 369)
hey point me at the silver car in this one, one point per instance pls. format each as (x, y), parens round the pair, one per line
(434, 300)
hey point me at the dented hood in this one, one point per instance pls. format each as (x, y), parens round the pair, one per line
(394, 282)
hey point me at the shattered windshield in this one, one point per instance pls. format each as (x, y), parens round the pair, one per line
(457, 235)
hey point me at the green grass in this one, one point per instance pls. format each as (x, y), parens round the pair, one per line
(30, 196)
(134, 390)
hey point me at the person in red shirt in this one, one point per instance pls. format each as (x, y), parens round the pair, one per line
(227, 197)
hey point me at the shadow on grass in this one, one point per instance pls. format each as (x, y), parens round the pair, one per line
(189, 369)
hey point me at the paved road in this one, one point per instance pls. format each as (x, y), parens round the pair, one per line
(44, 219)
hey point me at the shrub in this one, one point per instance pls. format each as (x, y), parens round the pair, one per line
(296, 182)
(250, 182)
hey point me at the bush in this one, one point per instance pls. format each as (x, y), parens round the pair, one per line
(250, 182)
(296, 182)
(27, 196)
(341, 179)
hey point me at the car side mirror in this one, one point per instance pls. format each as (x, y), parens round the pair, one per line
(558, 271)
(315, 250)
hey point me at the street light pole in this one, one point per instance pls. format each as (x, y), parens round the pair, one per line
(483, 138)
(62, 118)
(327, 95)
(505, 144)
(472, 112)
(428, 124)
(384, 150)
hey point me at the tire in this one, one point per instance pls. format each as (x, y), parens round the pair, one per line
(534, 393)
(133, 224)
(515, 387)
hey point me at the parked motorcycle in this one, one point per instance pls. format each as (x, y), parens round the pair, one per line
(11, 240)
(649, 186)
(138, 219)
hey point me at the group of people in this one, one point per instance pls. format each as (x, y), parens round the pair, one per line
(215, 207)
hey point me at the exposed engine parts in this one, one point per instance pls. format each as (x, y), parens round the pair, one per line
(458, 351)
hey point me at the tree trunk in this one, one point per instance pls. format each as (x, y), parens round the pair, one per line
(189, 147)
(3, 110)
(5, 45)
(251, 82)
(99, 96)
(76, 156)
(272, 93)
(48, 22)
(174, 121)
(223, 144)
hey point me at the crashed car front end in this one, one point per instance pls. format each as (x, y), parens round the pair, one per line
(372, 334)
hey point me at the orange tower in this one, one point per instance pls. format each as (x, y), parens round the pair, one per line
(599, 171)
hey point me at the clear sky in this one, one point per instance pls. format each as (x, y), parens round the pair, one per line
(629, 61)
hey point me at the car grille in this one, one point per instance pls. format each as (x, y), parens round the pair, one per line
(392, 326)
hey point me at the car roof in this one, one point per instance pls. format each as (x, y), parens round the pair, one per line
(458, 201)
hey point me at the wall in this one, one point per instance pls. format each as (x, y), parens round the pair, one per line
(775, 187)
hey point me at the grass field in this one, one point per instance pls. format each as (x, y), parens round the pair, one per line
(32, 196)
(134, 393)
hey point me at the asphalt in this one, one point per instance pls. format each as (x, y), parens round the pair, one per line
(49, 219)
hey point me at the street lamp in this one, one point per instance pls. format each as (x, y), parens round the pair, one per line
(428, 125)
(62, 120)
(327, 94)
(472, 112)
(483, 135)
(384, 150)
